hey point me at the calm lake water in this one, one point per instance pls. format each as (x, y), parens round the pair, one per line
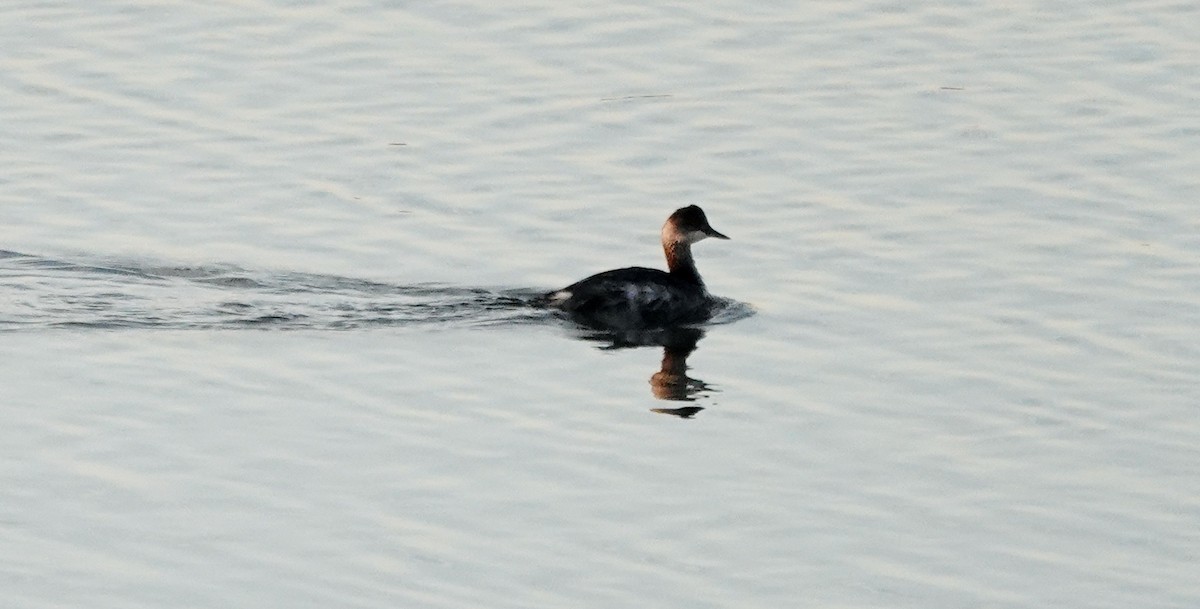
(262, 265)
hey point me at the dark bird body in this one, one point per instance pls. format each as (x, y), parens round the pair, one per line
(639, 297)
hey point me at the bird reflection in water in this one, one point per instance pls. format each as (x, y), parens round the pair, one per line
(671, 381)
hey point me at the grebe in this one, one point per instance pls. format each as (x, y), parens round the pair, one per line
(638, 297)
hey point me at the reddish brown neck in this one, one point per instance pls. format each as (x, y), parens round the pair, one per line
(680, 263)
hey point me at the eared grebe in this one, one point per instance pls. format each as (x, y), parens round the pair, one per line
(638, 297)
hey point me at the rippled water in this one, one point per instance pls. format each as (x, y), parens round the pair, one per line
(958, 367)
(46, 293)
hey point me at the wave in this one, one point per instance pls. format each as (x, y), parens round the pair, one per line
(41, 292)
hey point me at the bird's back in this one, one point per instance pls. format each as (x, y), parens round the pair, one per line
(634, 297)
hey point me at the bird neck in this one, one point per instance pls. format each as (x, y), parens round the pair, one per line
(680, 262)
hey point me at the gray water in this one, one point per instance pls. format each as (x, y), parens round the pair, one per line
(263, 269)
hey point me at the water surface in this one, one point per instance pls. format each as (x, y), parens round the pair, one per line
(966, 232)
